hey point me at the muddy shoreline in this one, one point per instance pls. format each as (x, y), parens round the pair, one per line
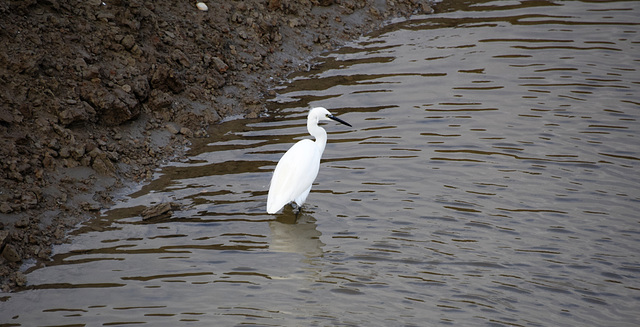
(97, 94)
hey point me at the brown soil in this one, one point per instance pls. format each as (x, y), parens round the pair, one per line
(96, 94)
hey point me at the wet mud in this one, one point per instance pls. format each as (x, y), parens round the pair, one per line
(96, 94)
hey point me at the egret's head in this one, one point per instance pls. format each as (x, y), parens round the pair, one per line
(319, 113)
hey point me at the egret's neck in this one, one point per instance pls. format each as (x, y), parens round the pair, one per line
(319, 133)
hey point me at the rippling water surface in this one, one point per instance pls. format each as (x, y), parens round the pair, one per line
(491, 178)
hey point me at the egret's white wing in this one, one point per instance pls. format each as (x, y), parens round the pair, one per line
(294, 174)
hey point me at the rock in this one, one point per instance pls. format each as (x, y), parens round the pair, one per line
(59, 233)
(6, 116)
(54, 144)
(215, 80)
(136, 50)
(186, 132)
(90, 72)
(172, 128)
(91, 206)
(220, 65)
(115, 106)
(85, 161)
(159, 100)
(48, 162)
(94, 152)
(105, 16)
(65, 152)
(140, 87)
(274, 4)
(128, 41)
(202, 6)
(78, 151)
(20, 279)
(11, 254)
(158, 210)
(22, 223)
(72, 115)
(103, 166)
(4, 238)
(181, 58)
(165, 78)
(124, 108)
(5, 208)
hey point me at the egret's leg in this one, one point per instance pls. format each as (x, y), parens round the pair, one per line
(296, 209)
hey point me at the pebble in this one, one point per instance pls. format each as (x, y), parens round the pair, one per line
(128, 42)
(20, 279)
(202, 6)
(11, 254)
(186, 132)
(22, 223)
(220, 65)
(157, 210)
(172, 129)
(5, 208)
(4, 237)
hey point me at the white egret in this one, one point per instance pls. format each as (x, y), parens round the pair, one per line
(298, 167)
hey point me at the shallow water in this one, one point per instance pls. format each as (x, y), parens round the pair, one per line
(491, 178)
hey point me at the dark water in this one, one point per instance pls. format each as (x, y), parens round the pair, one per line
(491, 178)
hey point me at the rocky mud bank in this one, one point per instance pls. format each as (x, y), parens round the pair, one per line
(96, 94)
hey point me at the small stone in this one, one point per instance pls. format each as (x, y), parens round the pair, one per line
(65, 152)
(6, 116)
(4, 237)
(22, 223)
(91, 206)
(200, 133)
(274, 4)
(172, 129)
(157, 210)
(221, 66)
(54, 144)
(202, 6)
(73, 114)
(59, 233)
(21, 279)
(5, 208)
(95, 152)
(103, 166)
(186, 132)
(30, 199)
(78, 151)
(11, 254)
(128, 41)
(48, 161)
(179, 56)
(136, 50)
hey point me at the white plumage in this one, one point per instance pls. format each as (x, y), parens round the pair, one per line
(298, 167)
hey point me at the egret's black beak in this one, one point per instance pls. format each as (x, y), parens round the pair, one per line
(332, 117)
